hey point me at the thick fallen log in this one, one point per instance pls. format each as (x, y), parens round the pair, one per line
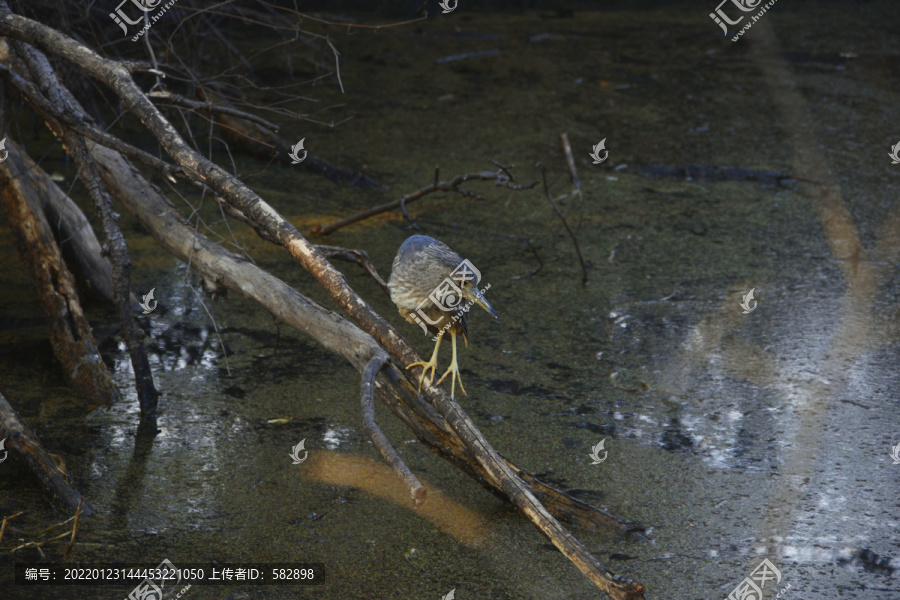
(48, 468)
(477, 448)
(70, 333)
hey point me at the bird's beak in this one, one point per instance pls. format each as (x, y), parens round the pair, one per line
(474, 295)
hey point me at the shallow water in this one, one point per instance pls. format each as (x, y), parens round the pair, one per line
(733, 437)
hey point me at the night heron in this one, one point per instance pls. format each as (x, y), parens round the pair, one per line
(433, 287)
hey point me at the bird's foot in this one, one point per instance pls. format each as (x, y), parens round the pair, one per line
(453, 371)
(431, 365)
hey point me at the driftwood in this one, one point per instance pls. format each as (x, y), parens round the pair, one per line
(44, 77)
(49, 468)
(70, 333)
(450, 423)
(367, 399)
(74, 235)
(211, 260)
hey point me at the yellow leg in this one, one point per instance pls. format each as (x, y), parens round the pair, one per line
(453, 370)
(431, 364)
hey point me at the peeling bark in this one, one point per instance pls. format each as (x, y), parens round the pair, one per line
(75, 237)
(70, 333)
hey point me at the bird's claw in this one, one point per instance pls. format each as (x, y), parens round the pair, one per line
(426, 366)
(453, 379)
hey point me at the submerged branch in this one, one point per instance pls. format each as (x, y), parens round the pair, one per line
(49, 468)
(584, 275)
(500, 178)
(416, 492)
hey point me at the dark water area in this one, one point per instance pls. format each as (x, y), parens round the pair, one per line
(733, 436)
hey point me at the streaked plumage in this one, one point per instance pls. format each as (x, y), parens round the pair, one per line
(421, 265)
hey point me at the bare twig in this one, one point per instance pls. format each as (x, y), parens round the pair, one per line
(30, 545)
(573, 173)
(537, 256)
(360, 257)
(337, 63)
(570, 160)
(155, 70)
(76, 121)
(71, 543)
(584, 276)
(376, 363)
(240, 216)
(8, 519)
(356, 25)
(500, 178)
(212, 108)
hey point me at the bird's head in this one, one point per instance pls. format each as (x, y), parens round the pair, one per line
(473, 294)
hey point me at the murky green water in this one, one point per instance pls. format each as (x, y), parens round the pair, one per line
(732, 437)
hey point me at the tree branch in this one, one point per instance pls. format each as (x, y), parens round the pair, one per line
(43, 74)
(49, 468)
(376, 363)
(500, 178)
(70, 332)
